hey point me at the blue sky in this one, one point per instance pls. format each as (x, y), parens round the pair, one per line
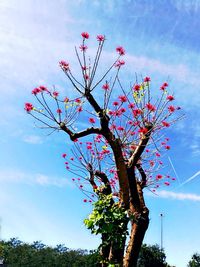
(37, 199)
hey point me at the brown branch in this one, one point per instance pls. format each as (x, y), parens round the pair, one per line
(143, 174)
(134, 197)
(133, 160)
(105, 180)
(73, 136)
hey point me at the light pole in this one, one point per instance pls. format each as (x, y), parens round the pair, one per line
(161, 230)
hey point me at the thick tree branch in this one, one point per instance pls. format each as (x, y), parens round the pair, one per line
(73, 136)
(142, 173)
(105, 180)
(141, 146)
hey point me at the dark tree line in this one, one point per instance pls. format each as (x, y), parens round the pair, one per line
(16, 253)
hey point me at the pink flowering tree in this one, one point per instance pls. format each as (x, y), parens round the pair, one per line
(118, 150)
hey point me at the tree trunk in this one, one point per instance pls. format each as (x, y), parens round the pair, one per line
(138, 231)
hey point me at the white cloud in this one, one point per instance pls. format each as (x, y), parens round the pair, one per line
(17, 176)
(175, 196)
(33, 139)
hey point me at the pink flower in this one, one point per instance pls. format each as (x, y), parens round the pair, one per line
(55, 94)
(79, 109)
(163, 86)
(64, 65)
(136, 87)
(106, 86)
(85, 35)
(120, 128)
(86, 76)
(157, 154)
(59, 111)
(28, 107)
(171, 109)
(170, 97)
(36, 90)
(152, 163)
(84, 68)
(122, 110)
(131, 105)
(100, 38)
(120, 50)
(43, 88)
(119, 63)
(158, 177)
(115, 103)
(167, 147)
(77, 100)
(64, 155)
(137, 112)
(143, 130)
(83, 47)
(150, 107)
(92, 120)
(147, 79)
(165, 124)
(122, 98)
(167, 183)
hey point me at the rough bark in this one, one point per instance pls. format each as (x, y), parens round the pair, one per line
(138, 229)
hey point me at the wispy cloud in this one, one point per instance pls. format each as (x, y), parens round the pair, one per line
(191, 178)
(175, 195)
(33, 139)
(17, 176)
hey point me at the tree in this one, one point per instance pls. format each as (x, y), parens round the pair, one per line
(151, 256)
(195, 261)
(17, 253)
(118, 154)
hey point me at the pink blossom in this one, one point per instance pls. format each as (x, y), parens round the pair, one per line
(43, 88)
(64, 65)
(150, 107)
(120, 50)
(100, 38)
(59, 111)
(163, 86)
(36, 90)
(119, 63)
(84, 200)
(136, 87)
(106, 86)
(137, 112)
(171, 109)
(86, 76)
(120, 128)
(165, 124)
(55, 94)
(85, 35)
(122, 110)
(79, 109)
(143, 130)
(64, 156)
(170, 97)
(131, 105)
(28, 107)
(122, 98)
(167, 183)
(147, 79)
(115, 103)
(92, 120)
(158, 177)
(83, 47)
(167, 147)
